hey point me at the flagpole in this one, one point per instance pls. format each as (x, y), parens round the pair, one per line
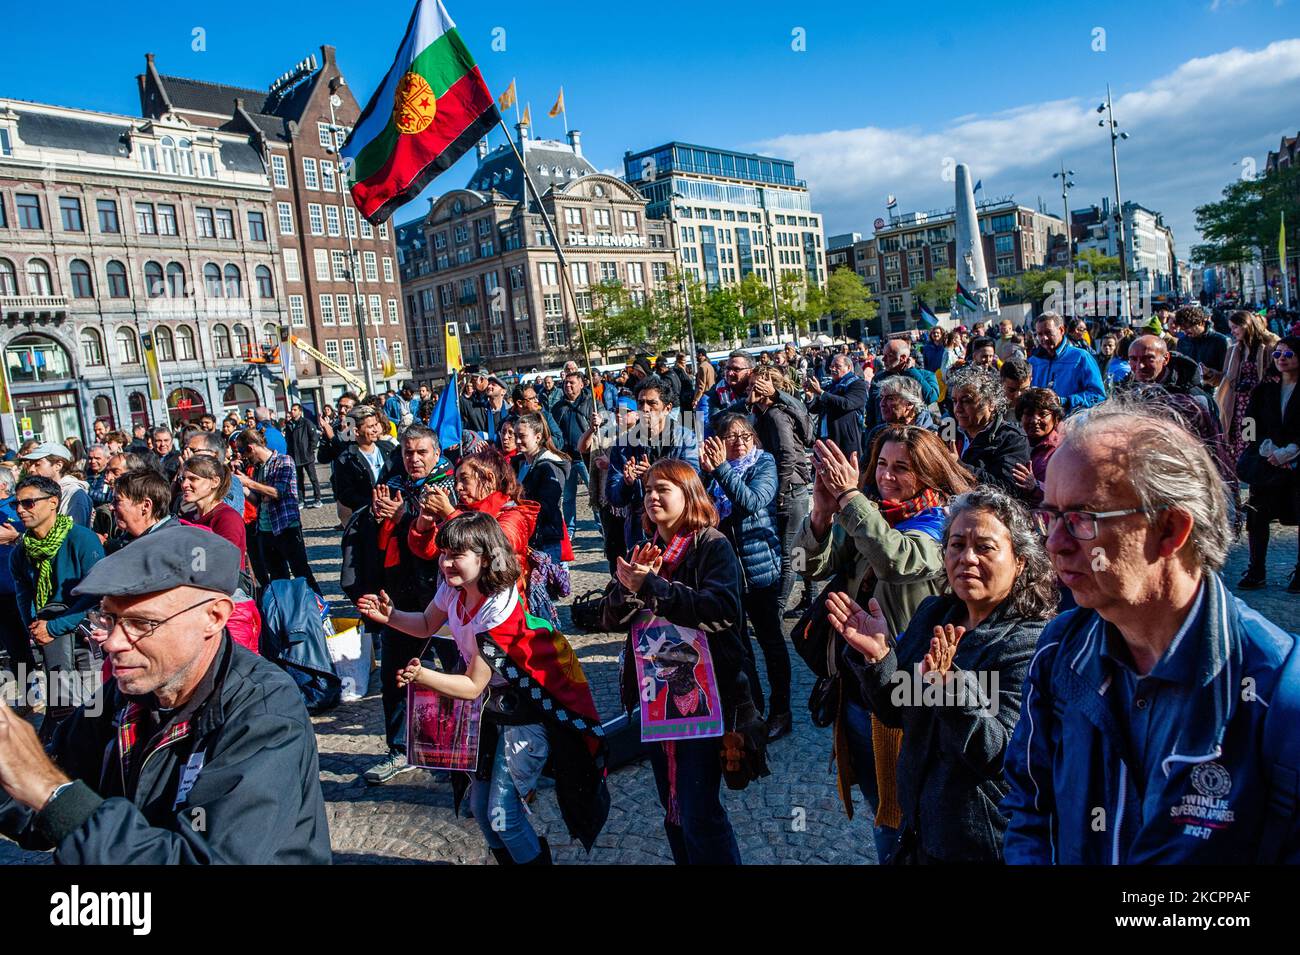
(1286, 277)
(565, 278)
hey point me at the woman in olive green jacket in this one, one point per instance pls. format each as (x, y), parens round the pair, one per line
(882, 532)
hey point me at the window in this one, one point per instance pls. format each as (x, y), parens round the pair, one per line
(285, 213)
(225, 224)
(212, 280)
(128, 347)
(265, 287)
(92, 347)
(327, 176)
(29, 211)
(153, 280)
(8, 278)
(376, 311)
(388, 268)
(149, 158)
(1007, 243)
(280, 171)
(205, 223)
(579, 270)
(367, 231)
(572, 216)
(344, 305)
(551, 305)
(297, 312)
(309, 178)
(82, 285)
(395, 349)
(185, 155)
(315, 222)
(383, 230)
(234, 282)
(629, 220)
(609, 271)
(323, 131)
(327, 309)
(175, 280)
(38, 278)
(220, 341)
(185, 343)
(322, 258)
(118, 287)
(349, 353)
(166, 219)
(600, 217)
(392, 311)
(332, 349)
(207, 165)
(162, 344)
(634, 276)
(243, 340)
(4, 220)
(332, 220)
(70, 212)
(340, 260)
(107, 209)
(370, 270)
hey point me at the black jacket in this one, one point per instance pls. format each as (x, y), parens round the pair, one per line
(704, 594)
(353, 481)
(544, 483)
(843, 408)
(992, 453)
(166, 466)
(572, 418)
(949, 773)
(302, 438)
(1265, 409)
(785, 431)
(241, 786)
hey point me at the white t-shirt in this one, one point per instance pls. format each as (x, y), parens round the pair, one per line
(494, 612)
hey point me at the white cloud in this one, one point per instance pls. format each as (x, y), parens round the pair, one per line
(1187, 128)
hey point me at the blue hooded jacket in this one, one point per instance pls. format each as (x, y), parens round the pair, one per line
(1071, 372)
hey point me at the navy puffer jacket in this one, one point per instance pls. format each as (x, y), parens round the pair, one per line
(751, 525)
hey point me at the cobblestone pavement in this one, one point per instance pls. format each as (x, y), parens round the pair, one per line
(792, 816)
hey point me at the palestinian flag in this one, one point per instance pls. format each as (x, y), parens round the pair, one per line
(965, 299)
(928, 318)
(431, 108)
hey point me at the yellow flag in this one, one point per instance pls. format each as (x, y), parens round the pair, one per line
(6, 405)
(508, 97)
(151, 366)
(451, 343)
(558, 108)
(528, 115)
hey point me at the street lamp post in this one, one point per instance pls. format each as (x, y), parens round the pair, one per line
(1115, 137)
(681, 271)
(362, 311)
(1066, 185)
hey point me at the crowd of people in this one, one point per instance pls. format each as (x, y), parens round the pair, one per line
(999, 551)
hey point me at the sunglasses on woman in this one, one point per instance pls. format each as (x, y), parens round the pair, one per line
(1283, 353)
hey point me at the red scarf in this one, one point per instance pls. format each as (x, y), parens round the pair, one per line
(674, 551)
(895, 512)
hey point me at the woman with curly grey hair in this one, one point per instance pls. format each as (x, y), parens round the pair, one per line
(952, 681)
(989, 442)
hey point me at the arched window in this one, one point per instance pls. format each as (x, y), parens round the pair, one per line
(169, 155)
(220, 341)
(92, 347)
(175, 280)
(8, 278)
(271, 334)
(186, 158)
(265, 288)
(162, 344)
(118, 286)
(234, 282)
(212, 280)
(153, 279)
(104, 411)
(82, 284)
(128, 347)
(184, 343)
(38, 278)
(243, 341)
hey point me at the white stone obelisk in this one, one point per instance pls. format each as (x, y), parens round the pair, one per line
(971, 274)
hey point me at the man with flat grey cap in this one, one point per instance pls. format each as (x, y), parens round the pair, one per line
(197, 752)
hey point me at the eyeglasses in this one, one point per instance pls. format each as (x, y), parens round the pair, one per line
(1081, 525)
(743, 437)
(1283, 353)
(27, 503)
(103, 624)
(736, 368)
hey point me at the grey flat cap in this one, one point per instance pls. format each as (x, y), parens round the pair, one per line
(180, 556)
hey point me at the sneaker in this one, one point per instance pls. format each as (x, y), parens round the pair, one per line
(394, 764)
(1251, 581)
(315, 504)
(1293, 587)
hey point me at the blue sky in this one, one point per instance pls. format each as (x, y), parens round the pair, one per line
(879, 97)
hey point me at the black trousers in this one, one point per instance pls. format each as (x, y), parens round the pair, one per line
(256, 562)
(13, 635)
(310, 471)
(789, 518)
(284, 556)
(1266, 506)
(763, 610)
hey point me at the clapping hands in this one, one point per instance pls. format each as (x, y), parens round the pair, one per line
(865, 630)
(712, 453)
(645, 559)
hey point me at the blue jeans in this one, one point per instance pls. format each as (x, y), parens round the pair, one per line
(857, 727)
(569, 504)
(495, 802)
(703, 836)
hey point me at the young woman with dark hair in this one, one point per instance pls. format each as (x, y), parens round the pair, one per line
(542, 473)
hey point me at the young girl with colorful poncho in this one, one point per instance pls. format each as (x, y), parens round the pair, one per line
(539, 706)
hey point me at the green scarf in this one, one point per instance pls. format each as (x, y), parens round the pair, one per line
(40, 554)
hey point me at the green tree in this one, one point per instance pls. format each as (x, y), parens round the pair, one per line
(847, 299)
(1098, 265)
(938, 291)
(755, 297)
(610, 325)
(1245, 221)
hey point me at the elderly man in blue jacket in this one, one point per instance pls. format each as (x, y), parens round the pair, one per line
(1161, 718)
(1066, 369)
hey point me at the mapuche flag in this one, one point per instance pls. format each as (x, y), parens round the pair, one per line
(431, 108)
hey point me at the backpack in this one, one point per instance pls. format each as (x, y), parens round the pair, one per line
(296, 628)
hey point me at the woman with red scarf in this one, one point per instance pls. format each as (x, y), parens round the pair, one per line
(486, 483)
(688, 575)
(878, 535)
